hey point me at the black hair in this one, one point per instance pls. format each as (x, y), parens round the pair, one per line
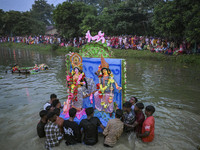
(150, 108)
(127, 105)
(48, 108)
(43, 113)
(57, 111)
(108, 70)
(53, 96)
(89, 111)
(55, 102)
(119, 113)
(140, 105)
(50, 115)
(72, 112)
(134, 98)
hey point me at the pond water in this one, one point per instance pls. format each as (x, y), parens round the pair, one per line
(174, 90)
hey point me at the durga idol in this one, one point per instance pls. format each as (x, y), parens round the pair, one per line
(104, 96)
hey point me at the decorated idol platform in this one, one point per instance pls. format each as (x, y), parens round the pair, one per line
(94, 79)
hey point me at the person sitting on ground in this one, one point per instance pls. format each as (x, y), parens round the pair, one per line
(42, 123)
(128, 117)
(133, 100)
(59, 120)
(90, 127)
(72, 133)
(139, 118)
(53, 134)
(113, 130)
(52, 98)
(148, 126)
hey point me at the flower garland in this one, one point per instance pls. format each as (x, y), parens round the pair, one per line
(73, 86)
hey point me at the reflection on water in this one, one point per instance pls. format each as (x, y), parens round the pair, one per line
(173, 90)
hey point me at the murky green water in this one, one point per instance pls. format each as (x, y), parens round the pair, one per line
(174, 90)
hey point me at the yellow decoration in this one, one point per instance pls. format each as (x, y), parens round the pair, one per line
(112, 80)
(102, 89)
(102, 103)
(105, 106)
(72, 86)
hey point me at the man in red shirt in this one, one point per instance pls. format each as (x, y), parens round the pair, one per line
(148, 125)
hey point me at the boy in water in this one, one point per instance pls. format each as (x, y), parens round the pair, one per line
(128, 117)
(53, 134)
(59, 120)
(90, 127)
(52, 98)
(147, 134)
(139, 118)
(114, 129)
(42, 123)
(133, 100)
(72, 132)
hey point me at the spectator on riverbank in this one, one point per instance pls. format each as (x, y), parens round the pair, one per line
(120, 42)
(148, 126)
(42, 123)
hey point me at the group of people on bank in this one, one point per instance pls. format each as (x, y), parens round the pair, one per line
(130, 119)
(153, 44)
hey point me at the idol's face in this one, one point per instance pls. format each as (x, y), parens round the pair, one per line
(76, 70)
(105, 71)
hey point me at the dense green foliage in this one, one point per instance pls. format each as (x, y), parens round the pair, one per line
(42, 11)
(172, 19)
(178, 20)
(33, 22)
(112, 17)
(69, 16)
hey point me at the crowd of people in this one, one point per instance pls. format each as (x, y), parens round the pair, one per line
(153, 44)
(130, 119)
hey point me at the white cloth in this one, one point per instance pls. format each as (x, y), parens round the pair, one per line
(46, 105)
(132, 107)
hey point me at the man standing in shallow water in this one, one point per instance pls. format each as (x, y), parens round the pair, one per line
(113, 130)
(52, 98)
(90, 127)
(53, 134)
(148, 125)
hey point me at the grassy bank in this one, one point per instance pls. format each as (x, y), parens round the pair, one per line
(143, 55)
(40, 47)
(147, 55)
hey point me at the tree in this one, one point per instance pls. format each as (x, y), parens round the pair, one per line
(2, 13)
(178, 20)
(191, 17)
(42, 11)
(28, 26)
(10, 19)
(68, 17)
